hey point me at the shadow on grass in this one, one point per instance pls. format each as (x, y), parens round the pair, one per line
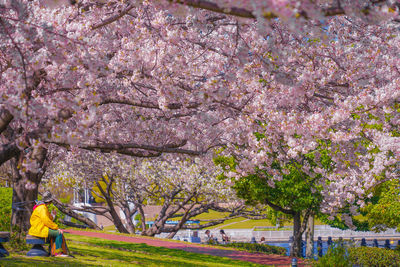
(41, 262)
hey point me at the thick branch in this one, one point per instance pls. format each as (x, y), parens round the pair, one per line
(123, 148)
(130, 103)
(69, 211)
(203, 4)
(113, 18)
(245, 13)
(107, 196)
(7, 152)
(278, 208)
(5, 119)
(145, 104)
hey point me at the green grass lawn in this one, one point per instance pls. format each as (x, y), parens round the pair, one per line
(247, 224)
(99, 252)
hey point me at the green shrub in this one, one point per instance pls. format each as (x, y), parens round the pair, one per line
(17, 238)
(257, 248)
(212, 241)
(5, 208)
(371, 256)
(336, 256)
(359, 256)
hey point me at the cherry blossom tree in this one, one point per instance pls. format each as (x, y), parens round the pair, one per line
(182, 188)
(144, 78)
(185, 189)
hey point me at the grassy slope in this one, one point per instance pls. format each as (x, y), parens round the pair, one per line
(98, 252)
(237, 223)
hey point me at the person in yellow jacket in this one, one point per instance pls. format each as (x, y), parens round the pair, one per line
(42, 226)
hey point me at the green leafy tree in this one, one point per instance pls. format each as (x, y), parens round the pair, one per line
(296, 194)
(383, 210)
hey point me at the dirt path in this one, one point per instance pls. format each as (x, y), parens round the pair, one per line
(190, 247)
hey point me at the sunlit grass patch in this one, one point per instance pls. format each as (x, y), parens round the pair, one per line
(90, 251)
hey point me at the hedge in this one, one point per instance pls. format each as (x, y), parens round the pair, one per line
(5, 208)
(343, 256)
(372, 256)
(267, 249)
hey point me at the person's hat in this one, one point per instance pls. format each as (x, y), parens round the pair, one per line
(47, 197)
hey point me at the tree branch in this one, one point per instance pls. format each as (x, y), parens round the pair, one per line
(278, 208)
(7, 152)
(111, 19)
(245, 13)
(69, 211)
(5, 118)
(123, 148)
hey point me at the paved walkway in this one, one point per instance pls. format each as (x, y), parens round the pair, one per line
(259, 258)
(217, 228)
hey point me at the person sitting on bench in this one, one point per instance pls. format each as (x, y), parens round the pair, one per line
(42, 226)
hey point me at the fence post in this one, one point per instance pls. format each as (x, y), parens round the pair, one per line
(363, 242)
(319, 246)
(329, 241)
(387, 244)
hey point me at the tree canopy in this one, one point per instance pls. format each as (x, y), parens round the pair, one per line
(143, 78)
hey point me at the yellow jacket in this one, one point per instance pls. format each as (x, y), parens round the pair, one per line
(41, 221)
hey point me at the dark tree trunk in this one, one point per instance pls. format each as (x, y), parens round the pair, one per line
(107, 196)
(116, 219)
(297, 233)
(7, 152)
(143, 220)
(23, 202)
(310, 237)
(25, 185)
(172, 234)
(152, 231)
(128, 217)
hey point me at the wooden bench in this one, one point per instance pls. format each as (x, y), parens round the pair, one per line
(37, 249)
(4, 237)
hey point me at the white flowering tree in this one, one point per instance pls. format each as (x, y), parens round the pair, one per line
(182, 187)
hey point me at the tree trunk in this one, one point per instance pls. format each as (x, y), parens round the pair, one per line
(116, 219)
(25, 185)
(152, 231)
(296, 246)
(107, 196)
(310, 237)
(23, 201)
(143, 220)
(172, 234)
(128, 217)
